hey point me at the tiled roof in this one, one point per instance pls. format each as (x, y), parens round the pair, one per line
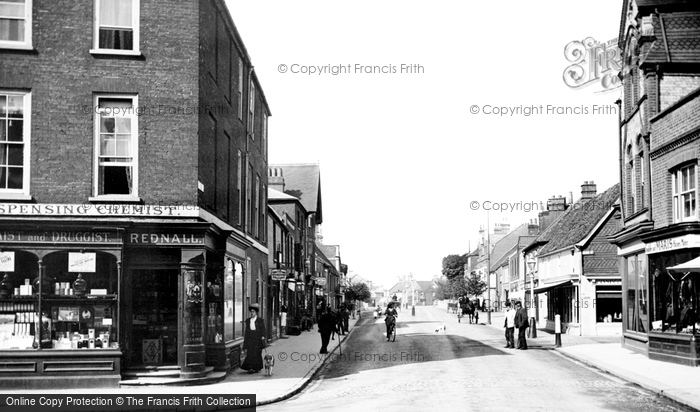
(578, 221)
(304, 182)
(503, 246)
(682, 31)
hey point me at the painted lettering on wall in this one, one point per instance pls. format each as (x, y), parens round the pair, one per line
(166, 238)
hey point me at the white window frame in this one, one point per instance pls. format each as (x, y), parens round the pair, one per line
(633, 186)
(135, 18)
(240, 89)
(251, 110)
(27, 43)
(264, 134)
(23, 193)
(134, 196)
(678, 196)
(256, 216)
(239, 187)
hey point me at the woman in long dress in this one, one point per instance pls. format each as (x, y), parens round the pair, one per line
(254, 340)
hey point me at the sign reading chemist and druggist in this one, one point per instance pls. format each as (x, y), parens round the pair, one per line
(57, 236)
(88, 209)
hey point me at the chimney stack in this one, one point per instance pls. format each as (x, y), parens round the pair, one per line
(275, 180)
(588, 190)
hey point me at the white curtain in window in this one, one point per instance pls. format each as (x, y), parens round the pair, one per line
(115, 13)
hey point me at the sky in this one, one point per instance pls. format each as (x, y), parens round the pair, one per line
(477, 126)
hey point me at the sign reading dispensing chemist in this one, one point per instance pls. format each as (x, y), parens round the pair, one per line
(81, 262)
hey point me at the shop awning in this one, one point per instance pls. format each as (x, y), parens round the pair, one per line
(547, 288)
(680, 272)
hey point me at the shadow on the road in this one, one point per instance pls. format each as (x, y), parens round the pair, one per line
(369, 350)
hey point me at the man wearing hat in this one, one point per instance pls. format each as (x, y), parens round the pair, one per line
(254, 340)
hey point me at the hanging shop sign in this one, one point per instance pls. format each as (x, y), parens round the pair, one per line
(278, 274)
(321, 281)
(82, 262)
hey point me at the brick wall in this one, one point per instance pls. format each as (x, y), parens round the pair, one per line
(63, 76)
(222, 62)
(669, 127)
(674, 87)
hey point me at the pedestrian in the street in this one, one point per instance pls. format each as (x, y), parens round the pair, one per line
(522, 324)
(390, 319)
(346, 319)
(341, 323)
(326, 326)
(509, 324)
(253, 340)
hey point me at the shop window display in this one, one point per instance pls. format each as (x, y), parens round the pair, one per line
(75, 310)
(674, 295)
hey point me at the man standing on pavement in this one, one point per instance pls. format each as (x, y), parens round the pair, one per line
(522, 324)
(346, 319)
(510, 326)
(326, 326)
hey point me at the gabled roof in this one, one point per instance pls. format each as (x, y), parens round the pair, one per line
(425, 284)
(303, 181)
(503, 246)
(578, 221)
(330, 251)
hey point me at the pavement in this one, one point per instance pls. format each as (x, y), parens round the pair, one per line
(605, 353)
(297, 359)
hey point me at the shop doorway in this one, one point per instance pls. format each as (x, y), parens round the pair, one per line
(154, 317)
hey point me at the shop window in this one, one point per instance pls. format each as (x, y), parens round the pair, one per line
(229, 296)
(78, 301)
(238, 312)
(16, 24)
(608, 304)
(14, 143)
(684, 183)
(116, 141)
(215, 304)
(637, 299)
(116, 27)
(674, 296)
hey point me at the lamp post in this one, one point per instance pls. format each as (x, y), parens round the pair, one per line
(533, 323)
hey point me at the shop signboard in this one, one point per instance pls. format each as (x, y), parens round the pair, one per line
(278, 274)
(675, 243)
(321, 281)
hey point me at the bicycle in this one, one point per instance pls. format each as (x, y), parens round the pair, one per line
(391, 334)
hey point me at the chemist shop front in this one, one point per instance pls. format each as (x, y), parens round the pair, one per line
(89, 304)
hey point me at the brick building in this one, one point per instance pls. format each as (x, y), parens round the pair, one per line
(137, 140)
(659, 144)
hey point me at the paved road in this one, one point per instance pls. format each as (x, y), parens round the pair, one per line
(463, 367)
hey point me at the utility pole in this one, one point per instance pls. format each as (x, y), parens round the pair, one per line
(488, 265)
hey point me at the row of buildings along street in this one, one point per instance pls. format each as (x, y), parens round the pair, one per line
(140, 216)
(622, 260)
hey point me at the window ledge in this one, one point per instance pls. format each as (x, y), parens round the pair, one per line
(115, 198)
(101, 52)
(8, 46)
(15, 196)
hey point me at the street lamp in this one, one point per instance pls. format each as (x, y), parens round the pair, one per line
(533, 324)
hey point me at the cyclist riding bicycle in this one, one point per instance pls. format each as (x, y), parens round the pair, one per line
(390, 319)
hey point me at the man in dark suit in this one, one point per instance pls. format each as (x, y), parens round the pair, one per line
(326, 326)
(522, 324)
